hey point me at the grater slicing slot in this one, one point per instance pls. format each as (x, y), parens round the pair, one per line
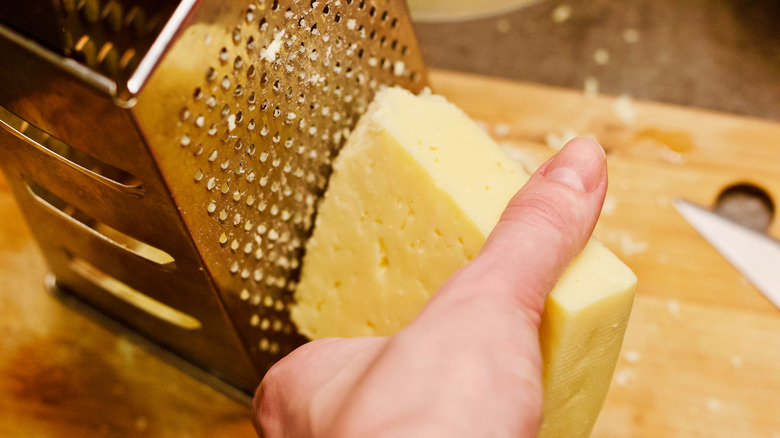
(76, 158)
(132, 296)
(116, 237)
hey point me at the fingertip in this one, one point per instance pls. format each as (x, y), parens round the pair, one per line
(580, 165)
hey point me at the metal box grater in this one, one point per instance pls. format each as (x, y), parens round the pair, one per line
(169, 156)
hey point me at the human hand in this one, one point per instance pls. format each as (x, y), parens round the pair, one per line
(469, 365)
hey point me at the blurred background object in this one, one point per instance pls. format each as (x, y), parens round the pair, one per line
(453, 10)
(721, 55)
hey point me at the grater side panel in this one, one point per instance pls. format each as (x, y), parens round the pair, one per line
(70, 241)
(67, 102)
(107, 36)
(74, 143)
(244, 116)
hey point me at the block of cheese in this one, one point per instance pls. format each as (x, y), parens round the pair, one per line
(413, 196)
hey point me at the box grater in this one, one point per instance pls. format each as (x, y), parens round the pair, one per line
(169, 156)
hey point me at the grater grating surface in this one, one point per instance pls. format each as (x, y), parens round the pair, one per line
(205, 182)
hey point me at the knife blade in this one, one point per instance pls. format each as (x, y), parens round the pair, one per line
(754, 254)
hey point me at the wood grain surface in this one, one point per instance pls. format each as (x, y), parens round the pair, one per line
(701, 355)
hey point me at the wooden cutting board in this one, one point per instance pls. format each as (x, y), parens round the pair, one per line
(701, 355)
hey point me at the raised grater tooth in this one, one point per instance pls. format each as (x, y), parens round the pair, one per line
(171, 171)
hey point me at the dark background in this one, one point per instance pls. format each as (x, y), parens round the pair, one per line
(721, 55)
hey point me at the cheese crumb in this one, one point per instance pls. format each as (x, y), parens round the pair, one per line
(632, 356)
(609, 207)
(624, 109)
(351, 24)
(529, 162)
(501, 129)
(673, 307)
(561, 13)
(713, 404)
(270, 53)
(628, 245)
(231, 122)
(315, 79)
(631, 35)
(557, 140)
(622, 378)
(398, 68)
(601, 57)
(503, 25)
(591, 86)
(672, 156)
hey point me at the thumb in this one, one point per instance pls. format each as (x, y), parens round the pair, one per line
(546, 224)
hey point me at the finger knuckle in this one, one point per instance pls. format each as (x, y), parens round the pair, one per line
(542, 213)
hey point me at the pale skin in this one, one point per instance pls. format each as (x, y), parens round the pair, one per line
(469, 365)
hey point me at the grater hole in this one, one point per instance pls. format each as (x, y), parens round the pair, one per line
(128, 60)
(112, 16)
(211, 74)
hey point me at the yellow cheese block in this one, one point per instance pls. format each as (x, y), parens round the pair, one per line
(413, 196)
